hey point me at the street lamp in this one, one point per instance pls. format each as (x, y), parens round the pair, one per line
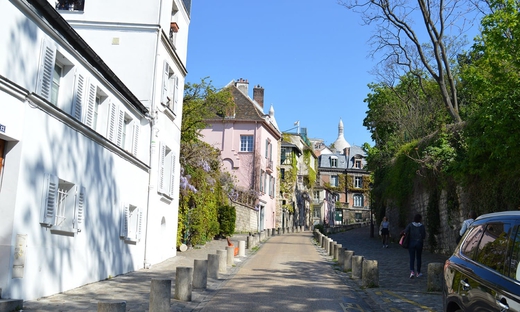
(371, 215)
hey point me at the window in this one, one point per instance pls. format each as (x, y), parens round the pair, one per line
(358, 200)
(334, 181)
(282, 173)
(357, 163)
(122, 130)
(131, 223)
(170, 92)
(2, 146)
(492, 249)
(262, 181)
(271, 186)
(166, 170)
(358, 182)
(246, 143)
(55, 88)
(70, 5)
(268, 150)
(334, 162)
(63, 205)
(96, 97)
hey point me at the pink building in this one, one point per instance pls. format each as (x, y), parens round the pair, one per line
(249, 141)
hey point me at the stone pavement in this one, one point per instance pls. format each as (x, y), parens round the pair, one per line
(396, 291)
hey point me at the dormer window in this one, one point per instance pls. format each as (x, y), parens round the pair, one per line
(334, 162)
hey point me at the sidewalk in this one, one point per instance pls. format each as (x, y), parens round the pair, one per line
(134, 287)
(396, 292)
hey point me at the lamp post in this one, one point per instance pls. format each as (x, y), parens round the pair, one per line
(371, 214)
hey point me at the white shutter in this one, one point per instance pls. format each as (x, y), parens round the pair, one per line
(176, 90)
(77, 102)
(91, 102)
(166, 74)
(47, 61)
(120, 125)
(112, 121)
(172, 175)
(135, 137)
(139, 225)
(79, 209)
(50, 199)
(125, 215)
(162, 156)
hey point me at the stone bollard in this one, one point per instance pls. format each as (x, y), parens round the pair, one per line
(278, 231)
(435, 276)
(272, 231)
(341, 257)
(347, 264)
(370, 275)
(112, 306)
(230, 255)
(326, 245)
(331, 247)
(357, 267)
(213, 266)
(160, 295)
(323, 240)
(183, 283)
(249, 242)
(337, 247)
(200, 274)
(242, 248)
(222, 261)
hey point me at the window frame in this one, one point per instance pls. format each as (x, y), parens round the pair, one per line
(358, 200)
(167, 166)
(246, 143)
(358, 182)
(131, 223)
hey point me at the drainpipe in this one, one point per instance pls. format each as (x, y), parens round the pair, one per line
(152, 179)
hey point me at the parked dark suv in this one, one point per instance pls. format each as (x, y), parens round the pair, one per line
(483, 274)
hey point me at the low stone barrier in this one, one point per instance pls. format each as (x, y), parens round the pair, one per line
(242, 248)
(435, 276)
(357, 267)
(370, 275)
(200, 274)
(111, 306)
(160, 295)
(213, 266)
(183, 283)
(337, 251)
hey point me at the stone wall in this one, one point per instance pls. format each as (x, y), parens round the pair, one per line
(450, 221)
(246, 219)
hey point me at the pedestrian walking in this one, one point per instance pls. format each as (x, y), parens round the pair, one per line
(384, 231)
(466, 223)
(417, 234)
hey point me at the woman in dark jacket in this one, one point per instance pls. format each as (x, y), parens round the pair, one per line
(415, 245)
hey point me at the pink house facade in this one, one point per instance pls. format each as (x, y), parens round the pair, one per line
(249, 141)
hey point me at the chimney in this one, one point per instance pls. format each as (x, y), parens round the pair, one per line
(243, 86)
(258, 95)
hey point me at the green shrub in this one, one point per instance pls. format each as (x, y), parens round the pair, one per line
(226, 219)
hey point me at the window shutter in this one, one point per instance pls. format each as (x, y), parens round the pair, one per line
(172, 176)
(50, 194)
(162, 156)
(91, 102)
(176, 90)
(48, 58)
(139, 225)
(166, 73)
(77, 102)
(125, 215)
(135, 137)
(79, 211)
(112, 122)
(120, 125)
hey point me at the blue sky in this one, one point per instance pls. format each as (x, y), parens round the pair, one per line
(309, 56)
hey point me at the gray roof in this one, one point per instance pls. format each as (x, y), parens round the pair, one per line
(343, 161)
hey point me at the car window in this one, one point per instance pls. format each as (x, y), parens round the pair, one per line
(514, 267)
(470, 244)
(492, 250)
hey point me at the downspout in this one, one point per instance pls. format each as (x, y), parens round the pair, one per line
(153, 134)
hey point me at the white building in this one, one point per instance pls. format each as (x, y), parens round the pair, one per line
(89, 142)
(146, 46)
